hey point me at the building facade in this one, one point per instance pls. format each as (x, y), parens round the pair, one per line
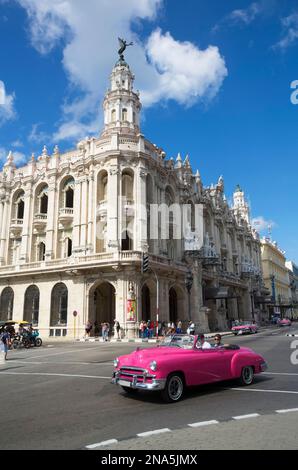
(74, 227)
(293, 275)
(276, 277)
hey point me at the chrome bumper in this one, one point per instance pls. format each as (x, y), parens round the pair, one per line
(155, 384)
(263, 366)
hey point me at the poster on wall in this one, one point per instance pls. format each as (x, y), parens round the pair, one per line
(131, 310)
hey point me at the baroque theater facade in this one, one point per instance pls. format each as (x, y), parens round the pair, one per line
(74, 227)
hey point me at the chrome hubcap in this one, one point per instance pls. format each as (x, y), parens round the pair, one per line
(175, 388)
(247, 374)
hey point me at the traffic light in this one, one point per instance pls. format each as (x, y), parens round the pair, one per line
(145, 263)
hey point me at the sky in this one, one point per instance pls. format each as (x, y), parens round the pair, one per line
(215, 81)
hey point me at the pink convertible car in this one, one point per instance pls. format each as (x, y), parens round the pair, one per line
(180, 362)
(244, 327)
(284, 322)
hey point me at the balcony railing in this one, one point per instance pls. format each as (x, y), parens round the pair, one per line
(87, 261)
(17, 222)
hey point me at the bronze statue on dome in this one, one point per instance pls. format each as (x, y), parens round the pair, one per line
(123, 45)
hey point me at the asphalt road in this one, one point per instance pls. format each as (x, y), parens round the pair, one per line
(59, 396)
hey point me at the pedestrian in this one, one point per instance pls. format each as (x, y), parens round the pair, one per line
(103, 331)
(191, 328)
(88, 328)
(5, 341)
(96, 328)
(179, 327)
(117, 329)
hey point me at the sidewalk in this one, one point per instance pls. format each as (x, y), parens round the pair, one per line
(156, 340)
(146, 340)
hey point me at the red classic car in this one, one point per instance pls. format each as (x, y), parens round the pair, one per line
(181, 362)
(244, 327)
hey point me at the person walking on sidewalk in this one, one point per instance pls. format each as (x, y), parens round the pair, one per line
(117, 329)
(5, 340)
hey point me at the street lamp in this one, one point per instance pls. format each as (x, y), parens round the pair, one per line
(188, 285)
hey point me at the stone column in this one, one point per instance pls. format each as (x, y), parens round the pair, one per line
(84, 203)
(112, 209)
(91, 203)
(198, 313)
(4, 230)
(76, 217)
(140, 222)
(26, 226)
(50, 252)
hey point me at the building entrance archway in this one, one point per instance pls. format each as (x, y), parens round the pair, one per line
(102, 305)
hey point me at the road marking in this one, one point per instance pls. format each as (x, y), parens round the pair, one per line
(103, 443)
(290, 410)
(157, 431)
(56, 375)
(261, 390)
(203, 423)
(23, 361)
(278, 373)
(65, 352)
(252, 415)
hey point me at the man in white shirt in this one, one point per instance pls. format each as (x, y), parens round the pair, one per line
(201, 343)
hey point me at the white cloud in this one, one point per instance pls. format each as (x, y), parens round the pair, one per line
(183, 72)
(290, 29)
(7, 110)
(247, 15)
(261, 224)
(88, 33)
(240, 17)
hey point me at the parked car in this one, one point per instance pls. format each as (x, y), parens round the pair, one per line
(244, 327)
(180, 362)
(284, 322)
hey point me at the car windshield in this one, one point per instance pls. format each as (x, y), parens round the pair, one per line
(179, 341)
(241, 323)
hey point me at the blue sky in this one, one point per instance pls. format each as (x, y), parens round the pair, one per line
(214, 76)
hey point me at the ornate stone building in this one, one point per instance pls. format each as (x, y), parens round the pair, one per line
(74, 226)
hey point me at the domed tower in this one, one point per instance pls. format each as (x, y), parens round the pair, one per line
(240, 206)
(121, 105)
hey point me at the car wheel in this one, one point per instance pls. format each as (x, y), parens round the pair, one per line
(247, 375)
(129, 390)
(235, 334)
(174, 388)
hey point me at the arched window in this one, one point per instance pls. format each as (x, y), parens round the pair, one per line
(44, 204)
(59, 304)
(68, 247)
(6, 304)
(113, 115)
(41, 251)
(124, 114)
(127, 185)
(20, 209)
(69, 198)
(102, 186)
(127, 242)
(31, 305)
(68, 191)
